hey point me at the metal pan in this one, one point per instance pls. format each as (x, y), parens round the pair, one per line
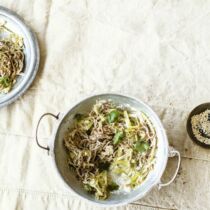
(31, 51)
(59, 155)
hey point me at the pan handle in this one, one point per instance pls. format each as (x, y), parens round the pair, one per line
(172, 153)
(37, 129)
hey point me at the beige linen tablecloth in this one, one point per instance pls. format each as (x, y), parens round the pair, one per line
(157, 51)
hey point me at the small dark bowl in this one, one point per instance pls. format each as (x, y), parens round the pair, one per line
(195, 111)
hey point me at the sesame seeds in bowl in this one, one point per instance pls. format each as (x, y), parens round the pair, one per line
(198, 125)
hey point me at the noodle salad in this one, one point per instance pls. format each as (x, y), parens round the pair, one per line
(111, 148)
(11, 58)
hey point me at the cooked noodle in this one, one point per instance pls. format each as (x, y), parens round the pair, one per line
(11, 58)
(111, 144)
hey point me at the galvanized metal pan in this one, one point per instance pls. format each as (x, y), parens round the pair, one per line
(59, 155)
(31, 51)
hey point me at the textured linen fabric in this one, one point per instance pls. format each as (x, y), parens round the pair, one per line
(155, 50)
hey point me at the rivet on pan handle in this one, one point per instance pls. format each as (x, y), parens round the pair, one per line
(37, 128)
(172, 153)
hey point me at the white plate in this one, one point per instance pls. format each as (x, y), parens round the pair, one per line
(31, 51)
